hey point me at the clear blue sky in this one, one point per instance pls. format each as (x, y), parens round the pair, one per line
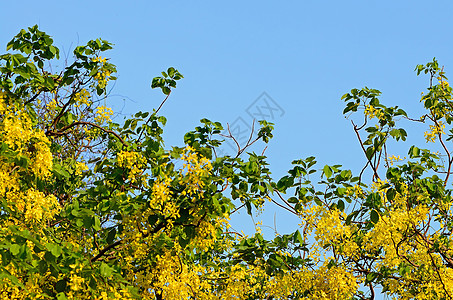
(304, 54)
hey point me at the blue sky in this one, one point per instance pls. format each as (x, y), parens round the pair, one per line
(303, 54)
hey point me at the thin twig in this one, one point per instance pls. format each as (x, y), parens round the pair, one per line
(160, 106)
(62, 131)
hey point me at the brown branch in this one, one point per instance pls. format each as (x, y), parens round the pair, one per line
(286, 202)
(372, 291)
(62, 131)
(226, 186)
(63, 109)
(449, 159)
(422, 119)
(238, 208)
(107, 248)
(154, 113)
(361, 172)
(248, 144)
(233, 232)
(438, 274)
(251, 132)
(364, 150)
(291, 211)
(162, 103)
(33, 98)
(445, 149)
(232, 137)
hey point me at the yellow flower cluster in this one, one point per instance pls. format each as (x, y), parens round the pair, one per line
(17, 133)
(131, 161)
(80, 167)
(103, 75)
(444, 84)
(356, 192)
(434, 130)
(82, 98)
(9, 180)
(103, 114)
(76, 282)
(32, 286)
(373, 112)
(100, 59)
(16, 130)
(206, 234)
(324, 283)
(33, 147)
(392, 159)
(114, 294)
(41, 157)
(34, 205)
(39, 206)
(194, 170)
(330, 229)
(388, 237)
(176, 280)
(162, 201)
(173, 277)
(2, 102)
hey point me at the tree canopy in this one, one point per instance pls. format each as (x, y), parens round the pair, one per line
(91, 208)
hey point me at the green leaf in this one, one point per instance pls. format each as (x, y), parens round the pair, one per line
(58, 169)
(414, 152)
(403, 269)
(293, 200)
(318, 201)
(298, 237)
(21, 161)
(49, 257)
(374, 216)
(165, 90)
(156, 82)
(369, 152)
(340, 205)
(327, 171)
(61, 296)
(55, 249)
(106, 270)
(97, 223)
(111, 235)
(171, 71)
(60, 286)
(350, 217)
(42, 266)
(370, 277)
(15, 249)
(391, 193)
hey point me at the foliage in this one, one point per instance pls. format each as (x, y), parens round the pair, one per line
(93, 209)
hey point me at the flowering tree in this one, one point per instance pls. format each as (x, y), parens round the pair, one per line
(92, 209)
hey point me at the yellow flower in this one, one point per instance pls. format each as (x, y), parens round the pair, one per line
(373, 112)
(131, 161)
(103, 114)
(80, 167)
(82, 98)
(103, 75)
(434, 130)
(392, 159)
(76, 282)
